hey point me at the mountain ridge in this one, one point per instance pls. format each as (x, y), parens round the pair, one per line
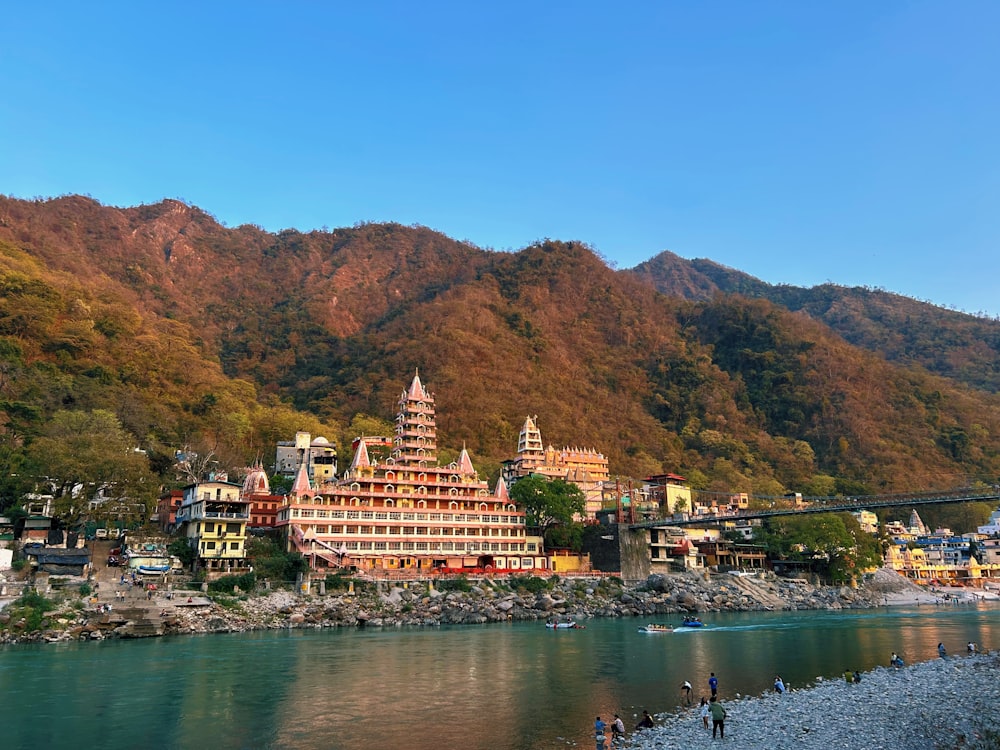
(658, 367)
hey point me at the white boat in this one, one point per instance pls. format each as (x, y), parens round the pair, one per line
(652, 628)
(564, 625)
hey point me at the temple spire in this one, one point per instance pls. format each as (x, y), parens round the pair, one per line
(465, 463)
(361, 456)
(416, 392)
(500, 492)
(302, 486)
(530, 439)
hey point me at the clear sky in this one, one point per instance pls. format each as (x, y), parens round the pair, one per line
(801, 142)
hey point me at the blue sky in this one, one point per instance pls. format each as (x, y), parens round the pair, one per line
(851, 142)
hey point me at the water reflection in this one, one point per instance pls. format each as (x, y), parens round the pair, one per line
(498, 687)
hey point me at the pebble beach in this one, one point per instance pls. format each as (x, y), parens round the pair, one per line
(935, 705)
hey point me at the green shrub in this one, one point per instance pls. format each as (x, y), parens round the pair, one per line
(85, 589)
(33, 600)
(18, 565)
(454, 584)
(530, 584)
(31, 607)
(340, 581)
(246, 582)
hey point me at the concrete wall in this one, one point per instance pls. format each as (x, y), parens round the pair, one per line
(634, 546)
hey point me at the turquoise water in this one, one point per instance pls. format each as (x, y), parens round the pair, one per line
(495, 687)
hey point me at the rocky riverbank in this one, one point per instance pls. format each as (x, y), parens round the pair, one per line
(935, 705)
(447, 603)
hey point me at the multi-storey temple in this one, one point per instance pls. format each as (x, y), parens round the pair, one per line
(407, 512)
(584, 467)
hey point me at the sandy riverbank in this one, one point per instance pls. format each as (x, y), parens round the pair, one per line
(939, 704)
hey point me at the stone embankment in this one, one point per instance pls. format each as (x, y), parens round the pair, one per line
(421, 604)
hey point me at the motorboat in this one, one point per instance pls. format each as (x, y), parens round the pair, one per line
(564, 625)
(654, 628)
(692, 622)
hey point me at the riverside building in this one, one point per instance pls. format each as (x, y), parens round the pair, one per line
(213, 516)
(584, 467)
(406, 514)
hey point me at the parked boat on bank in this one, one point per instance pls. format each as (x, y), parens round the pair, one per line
(149, 559)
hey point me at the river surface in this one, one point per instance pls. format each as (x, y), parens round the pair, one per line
(493, 687)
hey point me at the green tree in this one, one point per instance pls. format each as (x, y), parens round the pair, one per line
(82, 452)
(832, 543)
(548, 502)
(565, 536)
(183, 551)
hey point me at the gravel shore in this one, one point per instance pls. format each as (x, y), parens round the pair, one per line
(936, 705)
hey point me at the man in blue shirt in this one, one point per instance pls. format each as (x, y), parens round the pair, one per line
(599, 729)
(713, 683)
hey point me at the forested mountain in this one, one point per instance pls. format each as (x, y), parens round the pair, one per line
(194, 334)
(963, 347)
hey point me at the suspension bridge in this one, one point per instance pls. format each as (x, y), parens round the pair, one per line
(785, 506)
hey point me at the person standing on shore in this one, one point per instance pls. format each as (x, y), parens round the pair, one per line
(713, 684)
(599, 727)
(718, 712)
(941, 650)
(704, 711)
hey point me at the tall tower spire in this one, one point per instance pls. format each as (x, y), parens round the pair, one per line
(415, 442)
(530, 439)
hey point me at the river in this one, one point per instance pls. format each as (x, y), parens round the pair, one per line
(494, 687)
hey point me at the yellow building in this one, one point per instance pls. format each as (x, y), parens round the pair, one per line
(213, 516)
(670, 493)
(867, 520)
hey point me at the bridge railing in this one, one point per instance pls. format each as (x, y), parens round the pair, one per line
(784, 506)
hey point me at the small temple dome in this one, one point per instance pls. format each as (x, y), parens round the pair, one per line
(256, 482)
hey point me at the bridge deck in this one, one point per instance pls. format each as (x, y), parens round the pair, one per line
(834, 505)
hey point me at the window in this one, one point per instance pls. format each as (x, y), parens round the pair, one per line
(209, 545)
(234, 545)
(209, 528)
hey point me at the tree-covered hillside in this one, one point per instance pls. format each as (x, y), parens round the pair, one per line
(957, 345)
(194, 334)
